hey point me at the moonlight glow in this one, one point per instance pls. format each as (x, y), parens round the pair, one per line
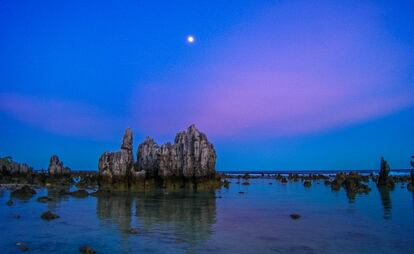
(190, 39)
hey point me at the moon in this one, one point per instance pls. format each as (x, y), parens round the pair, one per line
(190, 39)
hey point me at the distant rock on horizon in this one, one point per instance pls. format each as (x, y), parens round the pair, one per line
(8, 166)
(56, 167)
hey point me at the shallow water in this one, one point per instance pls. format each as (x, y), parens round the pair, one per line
(225, 221)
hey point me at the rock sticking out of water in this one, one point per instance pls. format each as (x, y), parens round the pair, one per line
(23, 192)
(383, 176)
(56, 167)
(48, 216)
(133, 231)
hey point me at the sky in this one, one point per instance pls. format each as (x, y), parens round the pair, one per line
(274, 84)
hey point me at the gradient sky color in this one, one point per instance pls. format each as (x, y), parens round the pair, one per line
(274, 84)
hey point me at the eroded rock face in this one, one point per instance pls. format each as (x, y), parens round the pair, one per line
(56, 166)
(190, 156)
(118, 163)
(8, 166)
(196, 156)
(148, 157)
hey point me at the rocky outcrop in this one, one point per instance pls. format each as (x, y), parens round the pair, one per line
(191, 156)
(196, 156)
(10, 167)
(56, 167)
(118, 163)
(383, 176)
(148, 157)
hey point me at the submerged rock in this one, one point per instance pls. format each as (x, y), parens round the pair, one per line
(118, 163)
(56, 167)
(133, 231)
(48, 216)
(87, 250)
(44, 199)
(295, 216)
(79, 193)
(9, 202)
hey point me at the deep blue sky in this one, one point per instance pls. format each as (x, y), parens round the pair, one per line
(274, 84)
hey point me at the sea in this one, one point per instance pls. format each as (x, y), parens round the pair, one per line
(253, 218)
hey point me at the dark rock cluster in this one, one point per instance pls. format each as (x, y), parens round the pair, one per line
(56, 167)
(383, 177)
(10, 167)
(191, 156)
(410, 186)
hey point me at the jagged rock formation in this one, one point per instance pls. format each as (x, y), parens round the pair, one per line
(383, 178)
(10, 167)
(148, 156)
(191, 156)
(56, 167)
(118, 163)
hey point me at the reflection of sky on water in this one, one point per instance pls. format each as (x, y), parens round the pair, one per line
(222, 222)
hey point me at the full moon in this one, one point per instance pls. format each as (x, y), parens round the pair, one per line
(190, 39)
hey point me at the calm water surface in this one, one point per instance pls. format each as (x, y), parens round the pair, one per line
(225, 221)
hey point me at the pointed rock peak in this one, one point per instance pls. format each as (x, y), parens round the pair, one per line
(149, 140)
(192, 128)
(127, 140)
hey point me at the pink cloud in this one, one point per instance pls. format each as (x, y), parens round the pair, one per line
(58, 116)
(285, 72)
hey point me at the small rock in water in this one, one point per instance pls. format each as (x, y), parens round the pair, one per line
(241, 192)
(24, 192)
(87, 250)
(22, 246)
(79, 194)
(307, 184)
(49, 216)
(10, 202)
(133, 231)
(295, 216)
(43, 199)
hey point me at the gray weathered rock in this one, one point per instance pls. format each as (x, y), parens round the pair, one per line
(118, 163)
(196, 156)
(190, 156)
(56, 166)
(148, 157)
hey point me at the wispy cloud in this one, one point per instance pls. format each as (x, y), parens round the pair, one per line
(286, 72)
(59, 116)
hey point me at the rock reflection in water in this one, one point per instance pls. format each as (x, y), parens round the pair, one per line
(117, 209)
(179, 217)
(386, 201)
